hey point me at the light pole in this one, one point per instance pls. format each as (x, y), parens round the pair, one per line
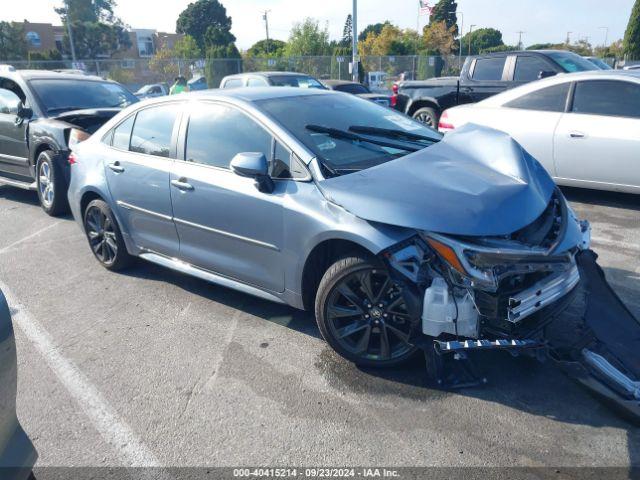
(354, 55)
(461, 34)
(520, 39)
(470, 30)
(569, 38)
(266, 26)
(606, 35)
(73, 50)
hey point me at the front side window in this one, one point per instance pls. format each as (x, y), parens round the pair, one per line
(353, 88)
(549, 99)
(217, 133)
(122, 134)
(152, 130)
(489, 68)
(607, 97)
(58, 96)
(571, 62)
(528, 68)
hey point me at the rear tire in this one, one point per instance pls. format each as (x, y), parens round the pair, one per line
(428, 116)
(104, 236)
(52, 191)
(361, 313)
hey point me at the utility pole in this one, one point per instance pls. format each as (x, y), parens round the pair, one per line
(606, 36)
(520, 39)
(470, 30)
(73, 50)
(568, 42)
(354, 54)
(461, 34)
(266, 26)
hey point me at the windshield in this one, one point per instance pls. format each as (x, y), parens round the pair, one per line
(349, 114)
(572, 62)
(599, 63)
(59, 96)
(301, 81)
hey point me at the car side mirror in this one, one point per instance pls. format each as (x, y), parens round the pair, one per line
(24, 113)
(253, 165)
(546, 74)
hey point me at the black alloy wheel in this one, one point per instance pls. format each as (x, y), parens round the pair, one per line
(362, 314)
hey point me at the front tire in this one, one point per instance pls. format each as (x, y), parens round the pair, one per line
(51, 186)
(428, 116)
(362, 315)
(105, 239)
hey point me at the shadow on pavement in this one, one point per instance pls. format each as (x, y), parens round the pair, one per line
(627, 201)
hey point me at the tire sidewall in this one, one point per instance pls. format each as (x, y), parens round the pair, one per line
(123, 258)
(59, 204)
(431, 112)
(329, 280)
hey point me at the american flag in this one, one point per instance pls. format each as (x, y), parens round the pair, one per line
(425, 8)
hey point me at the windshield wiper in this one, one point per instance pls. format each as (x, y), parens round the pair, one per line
(343, 134)
(390, 133)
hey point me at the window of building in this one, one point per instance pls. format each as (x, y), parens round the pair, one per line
(34, 39)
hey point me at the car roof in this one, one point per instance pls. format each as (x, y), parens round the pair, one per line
(501, 98)
(49, 74)
(269, 74)
(247, 94)
(334, 83)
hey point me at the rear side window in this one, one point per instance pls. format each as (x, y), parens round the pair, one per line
(528, 68)
(153, 129)
(256, 82)
(122, 134)
(233, 83)
(489, 68)
(607, 97)
(549, 99)
(217, 133)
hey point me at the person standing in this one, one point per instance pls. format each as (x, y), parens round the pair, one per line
(179, 86)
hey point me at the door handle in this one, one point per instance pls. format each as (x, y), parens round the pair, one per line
(115, 166)
(577, 134)
(182, 184)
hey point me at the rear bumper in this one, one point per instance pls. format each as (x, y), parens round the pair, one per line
(19, 456)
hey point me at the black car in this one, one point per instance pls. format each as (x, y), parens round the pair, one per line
(271, 79)
(356, 88)
(42, 113)
(17, 453)
(482, 76)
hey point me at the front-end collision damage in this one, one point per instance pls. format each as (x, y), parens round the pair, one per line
(537, 291)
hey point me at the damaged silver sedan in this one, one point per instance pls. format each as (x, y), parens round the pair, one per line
(399, 240)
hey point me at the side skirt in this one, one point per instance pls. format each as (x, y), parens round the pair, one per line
(183, 267)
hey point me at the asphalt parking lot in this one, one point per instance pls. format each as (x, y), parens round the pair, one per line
(150, 367)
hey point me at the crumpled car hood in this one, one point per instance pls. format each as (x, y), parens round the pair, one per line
(476, 181)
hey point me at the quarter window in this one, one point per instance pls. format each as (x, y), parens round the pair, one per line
(233, 83)
(549, 99)
(256, 82)
(528, 68)
(122, 134)
(153, 129)
(607, 97)
(217, 133)
(489, 68)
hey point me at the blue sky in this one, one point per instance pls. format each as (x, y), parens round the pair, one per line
(542, 20)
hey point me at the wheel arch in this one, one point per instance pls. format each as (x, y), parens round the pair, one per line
(320, 258)
(428, 102)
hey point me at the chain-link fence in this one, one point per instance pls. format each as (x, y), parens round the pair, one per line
(379, 72)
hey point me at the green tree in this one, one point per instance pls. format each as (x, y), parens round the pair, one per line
(373, 28)
(482, 39)
(631, 42)
(186, 48)
(545, 46)
(445, 11)
(13, 45)
(207, 22)
(275, 48)
(438, 39)
(307, 38)
(96, 30)
(222, 60)
(347, 32)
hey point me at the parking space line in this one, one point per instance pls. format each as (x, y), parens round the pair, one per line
(29, 237)
(113, 429)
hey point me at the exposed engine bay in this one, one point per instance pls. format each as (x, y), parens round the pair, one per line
(537, 290)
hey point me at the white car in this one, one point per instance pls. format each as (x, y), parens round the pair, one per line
(584, 128)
